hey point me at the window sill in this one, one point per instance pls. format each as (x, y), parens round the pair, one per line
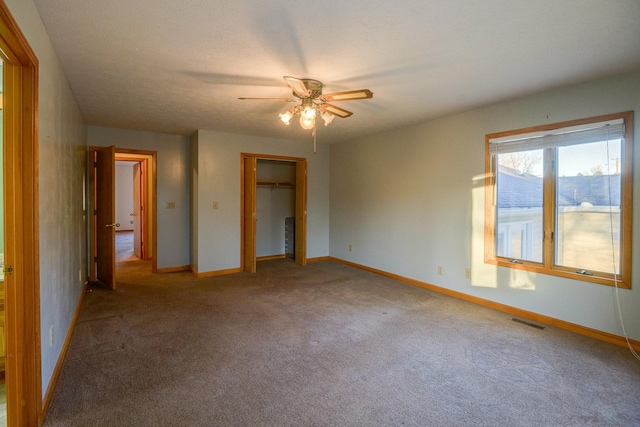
(567, 273)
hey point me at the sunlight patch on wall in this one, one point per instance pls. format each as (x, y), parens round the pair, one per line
(486, 275)
(522, 280)
(483, 275)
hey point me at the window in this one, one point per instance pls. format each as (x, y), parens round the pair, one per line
(559, 198)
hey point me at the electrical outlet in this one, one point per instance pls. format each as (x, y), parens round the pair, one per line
(440, 270)
(350, 248)
(467, 273)
(171, 204)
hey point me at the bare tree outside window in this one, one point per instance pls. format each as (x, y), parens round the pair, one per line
(596, 170)
(523, 162)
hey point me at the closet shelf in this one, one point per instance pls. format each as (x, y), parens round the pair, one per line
(274, 184)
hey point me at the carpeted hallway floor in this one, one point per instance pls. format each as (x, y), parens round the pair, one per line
(325, 345)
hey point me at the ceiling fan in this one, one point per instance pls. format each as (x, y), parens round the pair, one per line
(313, 102)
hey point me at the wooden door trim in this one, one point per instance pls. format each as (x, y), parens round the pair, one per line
(22, 322)
(139, 208)
(248, 265)
(301, 208)
(300, 255)
(274, 157)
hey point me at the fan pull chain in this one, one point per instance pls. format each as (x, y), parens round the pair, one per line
(315, 128)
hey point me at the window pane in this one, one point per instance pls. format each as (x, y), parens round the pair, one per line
(519, 228)
(588, 207)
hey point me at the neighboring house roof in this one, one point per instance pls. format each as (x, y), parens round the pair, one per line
(522, 191)
(518, 190)
(597, 190)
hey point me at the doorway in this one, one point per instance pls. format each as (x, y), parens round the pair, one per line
(131, 206)
(283, 174)
(134, 196)
(140, 219)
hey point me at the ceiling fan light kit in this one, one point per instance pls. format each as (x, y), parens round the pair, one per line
(314, 103)
(286, 116)
(306, 122)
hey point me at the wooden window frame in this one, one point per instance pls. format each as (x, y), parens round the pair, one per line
(547, 266)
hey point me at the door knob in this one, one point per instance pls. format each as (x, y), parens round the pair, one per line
(132, 214)
(117, 224)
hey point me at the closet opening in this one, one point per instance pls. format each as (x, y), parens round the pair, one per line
(273, 209)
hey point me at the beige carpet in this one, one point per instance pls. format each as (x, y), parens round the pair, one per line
(325, 345)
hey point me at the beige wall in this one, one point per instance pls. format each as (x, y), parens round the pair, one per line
(413, 199)
(173, 185)
(217, 174)
(62, 157)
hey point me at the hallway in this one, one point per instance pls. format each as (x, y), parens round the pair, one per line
(124, 247)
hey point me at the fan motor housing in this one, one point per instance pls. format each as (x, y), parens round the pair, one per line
(313, 86)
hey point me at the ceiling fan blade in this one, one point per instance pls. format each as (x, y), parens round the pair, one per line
(336, 111)
(348, 95)
(297, 86)
(270, 99)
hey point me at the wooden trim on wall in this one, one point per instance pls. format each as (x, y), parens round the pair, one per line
(216, 272)
(540, 318)
(248, 201)
(174, 269)
(318, 259)
(300, 246)
(22, 322)
(270, 257)
(274, 157)
(627, 195)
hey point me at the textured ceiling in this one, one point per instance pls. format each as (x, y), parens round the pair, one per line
(174, 66)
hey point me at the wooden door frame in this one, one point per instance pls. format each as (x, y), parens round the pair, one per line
(248, 214)
(152, 208)
(148, 158)
(301, 204)
(138, 213)
(22, 294)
